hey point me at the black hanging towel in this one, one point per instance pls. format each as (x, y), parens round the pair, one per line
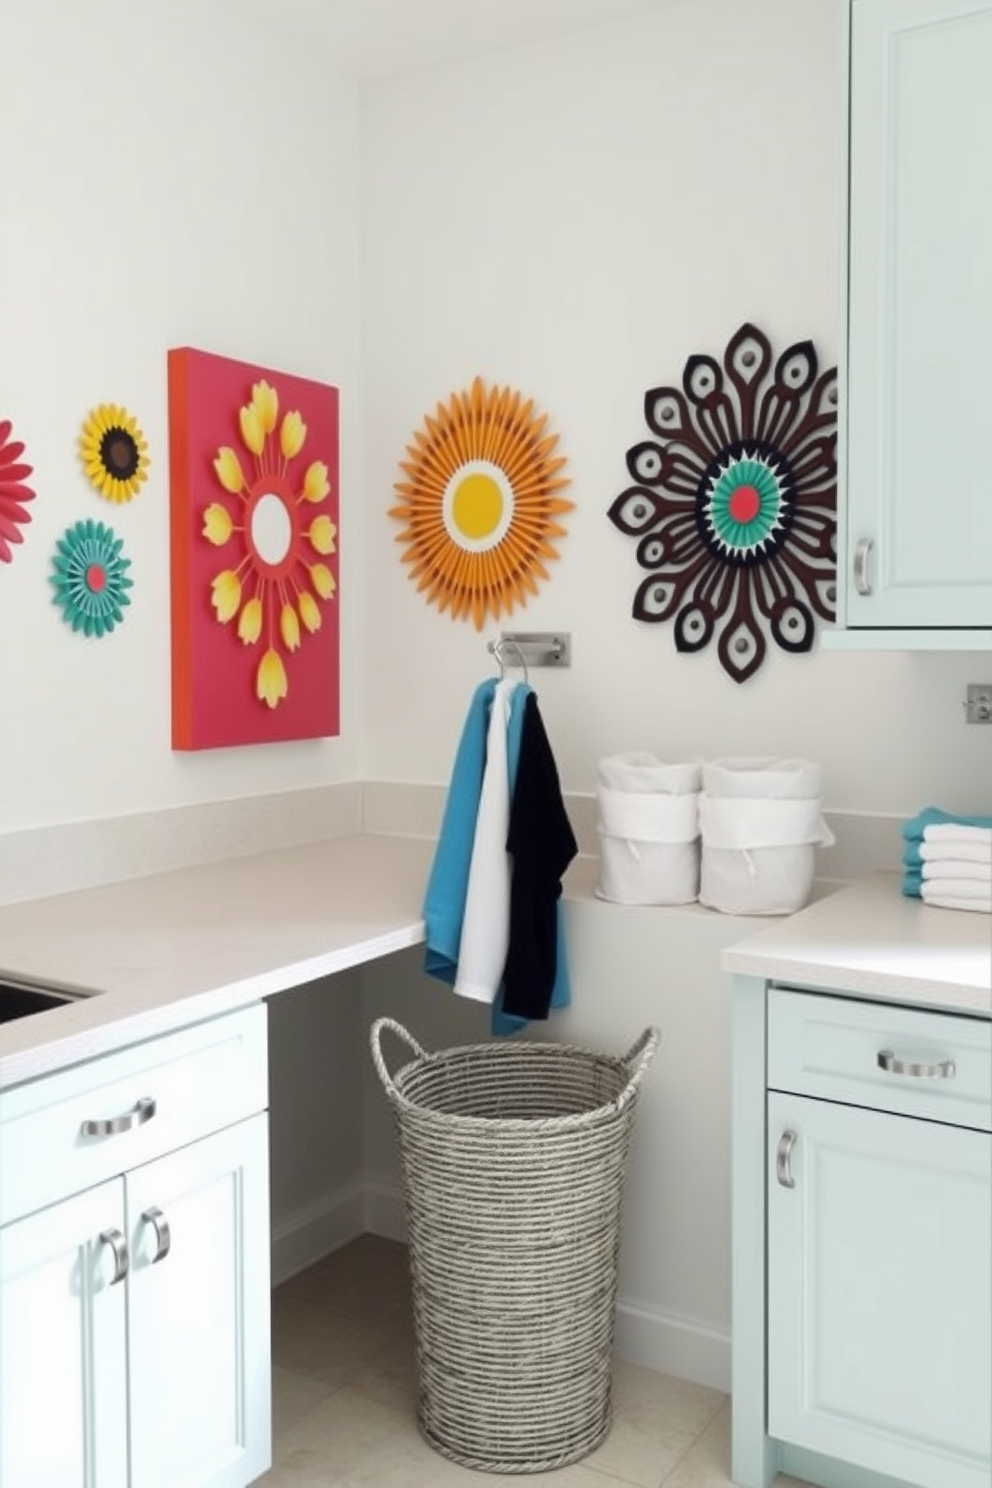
(542, 844)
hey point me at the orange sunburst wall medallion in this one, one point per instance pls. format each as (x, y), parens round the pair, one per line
(480, 503)
(253, 474)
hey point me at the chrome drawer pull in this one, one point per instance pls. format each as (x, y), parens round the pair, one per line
(937, 1069)
(862, 552)
(143, 1111)
(163, 1235)
(118, 1245)
(783, 1159)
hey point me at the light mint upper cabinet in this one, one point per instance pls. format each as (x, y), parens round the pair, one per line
(915, 495)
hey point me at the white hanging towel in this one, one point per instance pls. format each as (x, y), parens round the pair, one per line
(486, 923)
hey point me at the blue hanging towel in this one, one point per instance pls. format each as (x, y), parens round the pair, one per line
(444, 900)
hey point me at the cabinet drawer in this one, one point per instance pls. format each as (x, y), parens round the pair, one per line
(940, 1066)
(200, 1079)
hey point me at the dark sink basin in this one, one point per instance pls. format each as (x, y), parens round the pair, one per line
(18, 1000)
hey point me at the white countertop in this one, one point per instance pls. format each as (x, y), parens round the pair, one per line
(173, 948)
(870, 939)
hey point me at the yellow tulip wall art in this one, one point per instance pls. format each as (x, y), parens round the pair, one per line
(254, 553)
(480, 503)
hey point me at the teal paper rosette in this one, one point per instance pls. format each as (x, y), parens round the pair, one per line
(90, 578)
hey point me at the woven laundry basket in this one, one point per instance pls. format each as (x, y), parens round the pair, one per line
(514, 1156)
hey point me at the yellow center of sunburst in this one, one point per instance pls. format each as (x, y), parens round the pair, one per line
(477, 505)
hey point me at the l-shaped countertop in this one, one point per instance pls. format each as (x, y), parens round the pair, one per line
(173, 948)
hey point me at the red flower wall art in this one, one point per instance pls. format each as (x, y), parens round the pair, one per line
(253, 468)
(14, 494)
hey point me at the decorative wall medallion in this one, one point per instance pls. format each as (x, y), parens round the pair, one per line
(734, 502)
(14, 494)
(114, 452)
(253, 466)
(90, 578)
(480, 502)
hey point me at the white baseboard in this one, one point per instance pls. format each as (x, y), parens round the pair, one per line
(385, 1214)
(689, 1349)
(308, 1234)
(685, 1347)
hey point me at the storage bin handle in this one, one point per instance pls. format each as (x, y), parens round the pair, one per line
(638, 1057)
(375, 1038)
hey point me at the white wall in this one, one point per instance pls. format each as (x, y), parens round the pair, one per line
(576, 217)
(173, 174)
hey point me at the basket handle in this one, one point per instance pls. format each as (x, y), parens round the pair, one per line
(638, 1057)
(375, 1037)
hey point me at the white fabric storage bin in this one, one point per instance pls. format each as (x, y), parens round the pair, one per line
(648, 830)
(760, 822)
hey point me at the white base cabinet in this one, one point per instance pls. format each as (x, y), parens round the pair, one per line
(199, 1318)
(63, 1347)
(135, 1315)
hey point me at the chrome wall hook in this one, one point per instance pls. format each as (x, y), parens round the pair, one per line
(532, 649)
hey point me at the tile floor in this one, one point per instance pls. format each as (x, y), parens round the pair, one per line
(344, 1397)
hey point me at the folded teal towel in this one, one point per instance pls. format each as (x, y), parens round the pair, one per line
(931, 816)
(912, 883)
(912, 832)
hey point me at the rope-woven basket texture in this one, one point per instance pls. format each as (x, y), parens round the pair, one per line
(514, 1157)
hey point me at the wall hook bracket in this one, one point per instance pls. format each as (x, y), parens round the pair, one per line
(533, 648)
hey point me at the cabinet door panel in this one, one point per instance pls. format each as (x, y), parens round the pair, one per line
(63, 1383)
(920, 329)
(880, 1292)
(199, 1316)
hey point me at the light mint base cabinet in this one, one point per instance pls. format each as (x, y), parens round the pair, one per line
(862, 1242)
(915, 513)
(880, 1291)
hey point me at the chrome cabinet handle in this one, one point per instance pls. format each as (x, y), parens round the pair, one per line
(118, 1245)
(783, 1159)
(163, 1235)
(937, 1069)
(862, 552)
(141, 1112)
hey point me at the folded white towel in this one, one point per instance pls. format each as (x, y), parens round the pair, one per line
(949, 901)
(956, 868)
(970, 852)
(958, 888)
(956, 832)
(963, 891)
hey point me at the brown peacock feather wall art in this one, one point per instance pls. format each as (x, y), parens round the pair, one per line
(734, 502)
